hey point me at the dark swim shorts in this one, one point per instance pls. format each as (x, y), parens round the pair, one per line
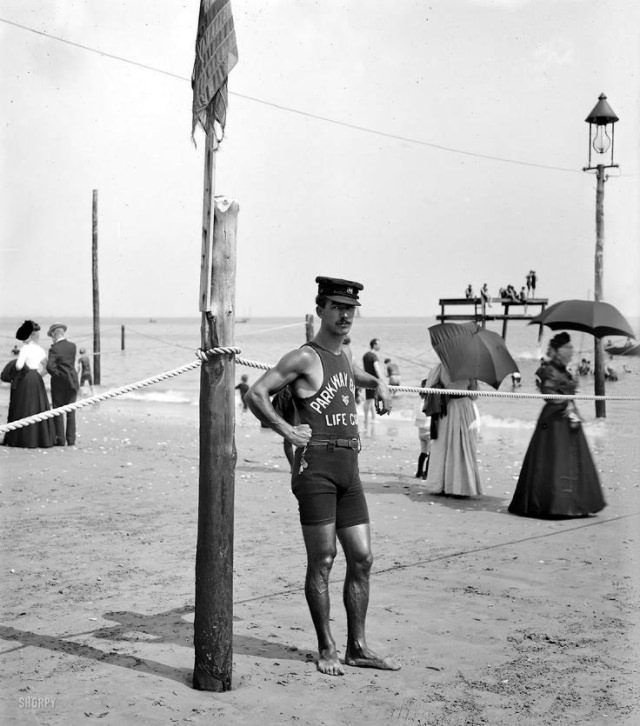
(329, 489)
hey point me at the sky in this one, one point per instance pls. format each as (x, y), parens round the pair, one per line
(466, 166)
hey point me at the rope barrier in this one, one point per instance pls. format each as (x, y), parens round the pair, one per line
(505, 394)
(202, 355)
(253, 364)
(113, 393)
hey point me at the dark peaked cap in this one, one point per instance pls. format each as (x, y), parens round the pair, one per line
(340, 291)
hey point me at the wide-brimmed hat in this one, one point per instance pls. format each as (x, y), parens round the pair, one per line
(55, 326)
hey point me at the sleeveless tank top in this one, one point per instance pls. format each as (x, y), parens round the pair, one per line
(331, 411)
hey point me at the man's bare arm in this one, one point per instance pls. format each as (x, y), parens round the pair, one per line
(288, 369)
(366, 380)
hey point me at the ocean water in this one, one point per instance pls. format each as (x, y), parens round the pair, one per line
(153, 347)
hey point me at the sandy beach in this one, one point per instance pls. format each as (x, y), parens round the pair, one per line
(496, 619)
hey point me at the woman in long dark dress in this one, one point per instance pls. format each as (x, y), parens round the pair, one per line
(29, 396)
(558, 477)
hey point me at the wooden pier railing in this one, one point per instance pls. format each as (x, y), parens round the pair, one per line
(480, 311)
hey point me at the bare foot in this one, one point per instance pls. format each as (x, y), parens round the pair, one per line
(368, 659)
(329, 663)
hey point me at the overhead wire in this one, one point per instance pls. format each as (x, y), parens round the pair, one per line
(289, 109)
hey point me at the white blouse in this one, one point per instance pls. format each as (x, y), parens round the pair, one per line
(32, 356)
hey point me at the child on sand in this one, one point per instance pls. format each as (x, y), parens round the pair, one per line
(242, 388)
(84, 370)
(423, 422)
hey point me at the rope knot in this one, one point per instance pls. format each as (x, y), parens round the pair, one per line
(205, 355)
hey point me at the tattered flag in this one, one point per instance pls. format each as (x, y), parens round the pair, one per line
(216, 55)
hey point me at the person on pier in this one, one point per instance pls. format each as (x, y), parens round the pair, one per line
(485, 295)
(325, 478)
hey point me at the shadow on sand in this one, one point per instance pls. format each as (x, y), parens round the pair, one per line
(414, 489)
(166, 627)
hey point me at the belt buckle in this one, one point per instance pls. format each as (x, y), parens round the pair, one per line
(354, 443)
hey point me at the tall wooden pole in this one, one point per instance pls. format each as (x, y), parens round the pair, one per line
(213, 625)
(309, 327)
(598, 353)
(96, 291)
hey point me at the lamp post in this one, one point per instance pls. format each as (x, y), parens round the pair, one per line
(601, 122)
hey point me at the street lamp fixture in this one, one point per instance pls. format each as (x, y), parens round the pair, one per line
(601, 122)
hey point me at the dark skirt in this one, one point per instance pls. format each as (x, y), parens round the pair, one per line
(558, 477)
(28, 398)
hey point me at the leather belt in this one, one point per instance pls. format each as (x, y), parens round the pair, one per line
(352, 443)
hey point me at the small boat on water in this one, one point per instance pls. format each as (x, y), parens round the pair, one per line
(629, 349)
(242, 320)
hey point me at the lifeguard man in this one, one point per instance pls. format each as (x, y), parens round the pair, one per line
(325, 478)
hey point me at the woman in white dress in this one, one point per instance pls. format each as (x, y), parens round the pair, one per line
(29, 395)
(453, 465)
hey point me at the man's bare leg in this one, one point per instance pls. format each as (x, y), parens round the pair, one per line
(320, 541)
(356, 543)
(369, 415)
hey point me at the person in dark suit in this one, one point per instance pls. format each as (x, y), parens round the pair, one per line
(61, 365)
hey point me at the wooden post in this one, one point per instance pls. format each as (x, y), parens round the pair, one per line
(309, 327)
(96, 291)
(598, 353)
(505, 321)
(122, 337)
(213, 625)
(206, 257)
(541, 326)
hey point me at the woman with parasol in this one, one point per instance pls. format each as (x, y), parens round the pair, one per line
(468, 354)
(453, 466)
(558, 477)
